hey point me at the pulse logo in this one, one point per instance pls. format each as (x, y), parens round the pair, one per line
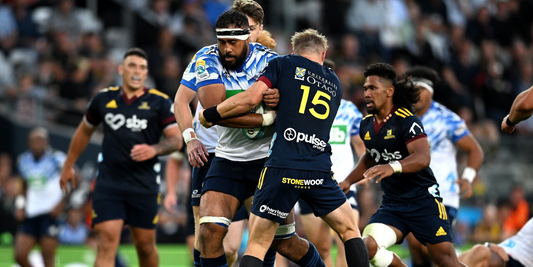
(290, 135)
(115, 121)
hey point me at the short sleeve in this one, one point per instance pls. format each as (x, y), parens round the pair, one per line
(167, 114)
(271, 73)
(207, 71)
(93, 115)
(413, 129)
(458, 129)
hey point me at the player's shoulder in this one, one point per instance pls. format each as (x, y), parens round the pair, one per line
(404, 113)
(109, 90)
(444, 112)
(367, 118)
(157, 93)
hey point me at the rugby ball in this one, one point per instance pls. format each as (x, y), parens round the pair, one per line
(255, 133)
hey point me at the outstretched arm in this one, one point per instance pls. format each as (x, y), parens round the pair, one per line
(365, 162)
(521, 110)
(471, 147)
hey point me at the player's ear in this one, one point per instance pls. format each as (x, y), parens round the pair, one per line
(390, 91)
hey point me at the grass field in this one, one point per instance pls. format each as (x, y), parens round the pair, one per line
(169, 255)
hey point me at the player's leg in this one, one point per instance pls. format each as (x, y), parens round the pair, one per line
(107, 241)
(317, 232)
(144, 242)
(340, 261)
(378, 237)
(262, 232)
(48, 234)
(23, 244)
(233, 239)
(443, 254)
(477, 256)
(419, 253)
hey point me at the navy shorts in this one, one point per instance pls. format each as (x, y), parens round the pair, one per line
(513, 263)
(137, 210)
(235, 178)
(279, 189)
(197, 179)
(351, 196)
(426, 218)
(452, 213)
(40, 226)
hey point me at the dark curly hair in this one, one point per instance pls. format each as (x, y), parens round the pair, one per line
(423, 72)
(405, 94)
(232, 18)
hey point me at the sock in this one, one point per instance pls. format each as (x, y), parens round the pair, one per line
(311, 258)
(356, 252)
(196, 258)
(250, 261)
(215, 262)
(270, 258)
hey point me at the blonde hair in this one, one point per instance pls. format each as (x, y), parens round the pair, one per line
(265, 38)
(309, 41)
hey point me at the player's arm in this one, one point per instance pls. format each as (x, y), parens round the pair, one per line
(521, 109)
(358, 145)
(475, 155)
(172, 142)
(418, 159)
(79, 142)
(244, 102)
(365, 162)
(172, 174)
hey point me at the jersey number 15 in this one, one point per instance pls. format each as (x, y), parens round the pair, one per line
(316, 101)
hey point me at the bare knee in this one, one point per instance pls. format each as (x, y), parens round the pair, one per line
(145, 249)
(21, 257)
(293, 248)
(211, 235)
(371, 245)
(445, 258)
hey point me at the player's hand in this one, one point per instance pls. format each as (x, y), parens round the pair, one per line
(465, 188)
(345, 186)
(271, 97)
(142, 152)
(19, 215)
(170, 203)
(67, 176)
(499, 251)
(202, 120)
(197, 153)
(506, 128)
(378, 172)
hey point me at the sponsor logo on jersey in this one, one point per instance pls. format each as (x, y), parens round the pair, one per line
(271, 211)
(291, 135)
(144, 105)
(416, 127)
(196, 194)
(111, 104)
(299, 73)
(302, 183)
(367, 136)
(337, 135)
(115, 121)
(441, 232)
(434, 190)
(201, 70)
(322, 83)
(389, 134)
(385, 155)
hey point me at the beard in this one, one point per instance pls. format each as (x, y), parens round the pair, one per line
(372, 110)
(239, 60)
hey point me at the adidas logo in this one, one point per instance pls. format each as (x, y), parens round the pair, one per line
(440, 232)
(111, 104)
(367, 136)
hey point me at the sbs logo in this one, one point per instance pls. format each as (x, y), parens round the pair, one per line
(115, 121)
(385, 155)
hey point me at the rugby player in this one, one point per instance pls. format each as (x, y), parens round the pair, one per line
(40, 167)
(299, 163)
(201, 142)
(127, 187)
(398, 156)
(228, 68)
(521, 110)
(446, 132)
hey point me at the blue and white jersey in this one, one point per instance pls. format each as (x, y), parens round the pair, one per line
(232, 143)
(520, 246)
(42, 178)
(208, 137)
(345, 126)
(444, 128)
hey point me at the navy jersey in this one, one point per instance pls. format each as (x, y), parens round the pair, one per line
(387, 142)
(128, 122)
(310, 95)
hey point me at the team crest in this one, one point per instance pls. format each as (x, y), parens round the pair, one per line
(201, 70)
(299, 74)
(389, 134)
(144, 105)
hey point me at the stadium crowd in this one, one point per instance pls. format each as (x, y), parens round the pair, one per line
(55, 55)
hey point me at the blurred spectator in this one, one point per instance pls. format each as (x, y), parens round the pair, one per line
(518, 215)
(74, 231)
(66, 19)
(490, 228)
(40, 167)
(27, 28)
(29, 98)
(10, 187)
(8, 28)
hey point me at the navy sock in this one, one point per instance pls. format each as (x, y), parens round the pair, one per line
(356, 252)
(214, 262)
(196, 258)
(250, 261)
(311, 258)
(270, 258)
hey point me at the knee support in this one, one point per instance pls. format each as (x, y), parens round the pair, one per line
(285, 231)
(384, 237)
(222, 221)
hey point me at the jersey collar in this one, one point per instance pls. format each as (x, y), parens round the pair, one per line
(130, 100)
(377, 126)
